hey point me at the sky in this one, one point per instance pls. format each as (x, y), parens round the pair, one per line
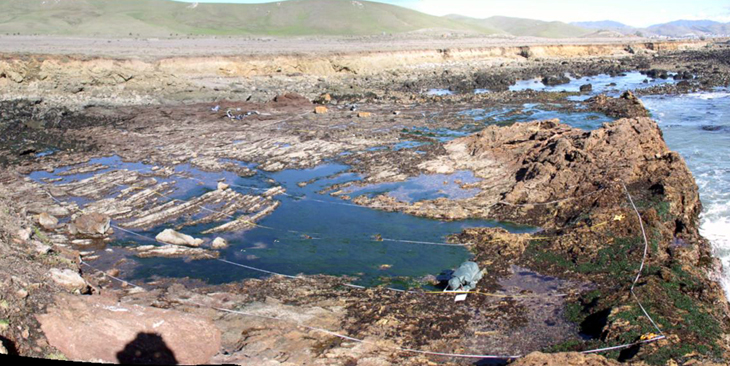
(637, 13)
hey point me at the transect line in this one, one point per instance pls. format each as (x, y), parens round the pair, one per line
(112, 277)
(350, 284)
(643, 260)
(551, 202)
(358, 340)
(623, 346)
(396, 348)
(255, 269)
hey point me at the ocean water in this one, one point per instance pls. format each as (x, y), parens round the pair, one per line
(698, 127)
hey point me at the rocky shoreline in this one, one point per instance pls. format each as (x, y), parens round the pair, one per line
(570, 182)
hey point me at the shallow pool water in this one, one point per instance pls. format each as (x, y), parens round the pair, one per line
(503, 116)
(602, 84)
(309, 233)
(326, 237)
(439, 92)
(423, 187)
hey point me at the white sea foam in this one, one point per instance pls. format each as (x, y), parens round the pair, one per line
(709, 96)
(717, 231)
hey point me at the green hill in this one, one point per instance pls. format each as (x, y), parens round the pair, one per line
(162, 17)
(525, 27)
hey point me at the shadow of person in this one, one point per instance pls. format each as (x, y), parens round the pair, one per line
(9, 346)
(147, 349)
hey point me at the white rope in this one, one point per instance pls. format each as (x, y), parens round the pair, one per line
(401, 349)
(643, 260)
(551, 202)
(358, 340)
(112, 277)
(255, 269)
(424, 242)
(623, 346)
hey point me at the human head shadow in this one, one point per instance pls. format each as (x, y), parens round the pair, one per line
(147, 349)
(9, 346)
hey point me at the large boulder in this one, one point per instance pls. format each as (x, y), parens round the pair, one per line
(92, 224)
(95, 328)
(169, 236)
(69, 280)
(553, 80)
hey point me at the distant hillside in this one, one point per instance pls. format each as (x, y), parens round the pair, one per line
(525, 27)
(677, 28)
(162, 17)
(682, 28)
(602, 24)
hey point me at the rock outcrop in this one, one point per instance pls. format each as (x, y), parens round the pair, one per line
(69, 280)
(626, 106)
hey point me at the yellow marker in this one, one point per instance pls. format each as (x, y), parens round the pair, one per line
(648, 336)
(618, 217)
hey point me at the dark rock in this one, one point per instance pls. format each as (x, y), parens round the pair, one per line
(657, 74)
(626, 106)
(554, 80)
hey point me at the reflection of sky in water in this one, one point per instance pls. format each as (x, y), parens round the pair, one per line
(423, 187)
(439, 92)
(342, 235)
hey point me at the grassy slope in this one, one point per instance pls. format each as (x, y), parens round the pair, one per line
(526, 27)
(160, 17)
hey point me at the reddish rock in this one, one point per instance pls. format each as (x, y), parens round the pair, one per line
(95, 328)
(291, 99)
(564, 359)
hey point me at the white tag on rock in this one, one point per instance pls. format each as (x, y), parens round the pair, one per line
(460, 297)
